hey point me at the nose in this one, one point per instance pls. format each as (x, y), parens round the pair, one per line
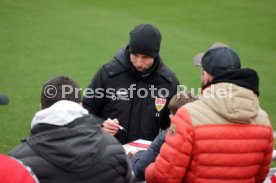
(139, 62)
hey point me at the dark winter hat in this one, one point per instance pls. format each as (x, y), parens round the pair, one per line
(145, 39)
(218, 60)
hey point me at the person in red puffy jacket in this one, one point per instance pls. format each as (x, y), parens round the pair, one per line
(224, 136)
(13, 171)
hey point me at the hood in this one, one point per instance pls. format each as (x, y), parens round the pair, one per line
(236, 101)
(123, 57)
(61, 113)
(247, 78)
(74, 147)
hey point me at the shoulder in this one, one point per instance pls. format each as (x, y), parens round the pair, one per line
(118, 64)
(21, 151)
(28, 156)
(262, 118)
(114, 67)
(181, 120)
(113, 146)
(167, 74)
(196, 109)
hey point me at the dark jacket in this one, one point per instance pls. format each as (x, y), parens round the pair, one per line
(77, 152)
(141, 117)
(142, 159)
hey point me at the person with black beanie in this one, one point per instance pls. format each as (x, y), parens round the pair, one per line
(130, 94)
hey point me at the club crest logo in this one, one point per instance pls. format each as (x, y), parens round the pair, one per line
(160, 103)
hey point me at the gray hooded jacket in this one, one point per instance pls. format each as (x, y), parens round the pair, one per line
(68, 145)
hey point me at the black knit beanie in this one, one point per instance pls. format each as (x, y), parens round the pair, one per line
(145, 39)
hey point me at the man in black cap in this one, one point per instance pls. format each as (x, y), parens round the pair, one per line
(225, 135)
(130, 94)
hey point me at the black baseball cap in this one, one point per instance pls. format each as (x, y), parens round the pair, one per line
(198, 58)
(218, 60)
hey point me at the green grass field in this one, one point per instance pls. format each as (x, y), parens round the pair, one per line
(42, 39)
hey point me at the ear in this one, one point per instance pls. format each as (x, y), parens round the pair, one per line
(207, 77)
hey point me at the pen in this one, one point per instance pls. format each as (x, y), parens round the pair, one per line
(120, 127)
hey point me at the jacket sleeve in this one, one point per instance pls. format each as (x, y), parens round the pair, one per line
(143, 158)
(95, 93)
(264, 169)
(172, 162)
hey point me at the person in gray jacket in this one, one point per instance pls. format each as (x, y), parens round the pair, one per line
(66, 144)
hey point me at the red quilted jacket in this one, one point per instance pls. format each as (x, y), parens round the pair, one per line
(12, 171)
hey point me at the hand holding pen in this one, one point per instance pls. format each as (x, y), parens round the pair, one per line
(112, 126)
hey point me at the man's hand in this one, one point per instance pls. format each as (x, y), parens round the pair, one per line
(132, 153)
(111, 126)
